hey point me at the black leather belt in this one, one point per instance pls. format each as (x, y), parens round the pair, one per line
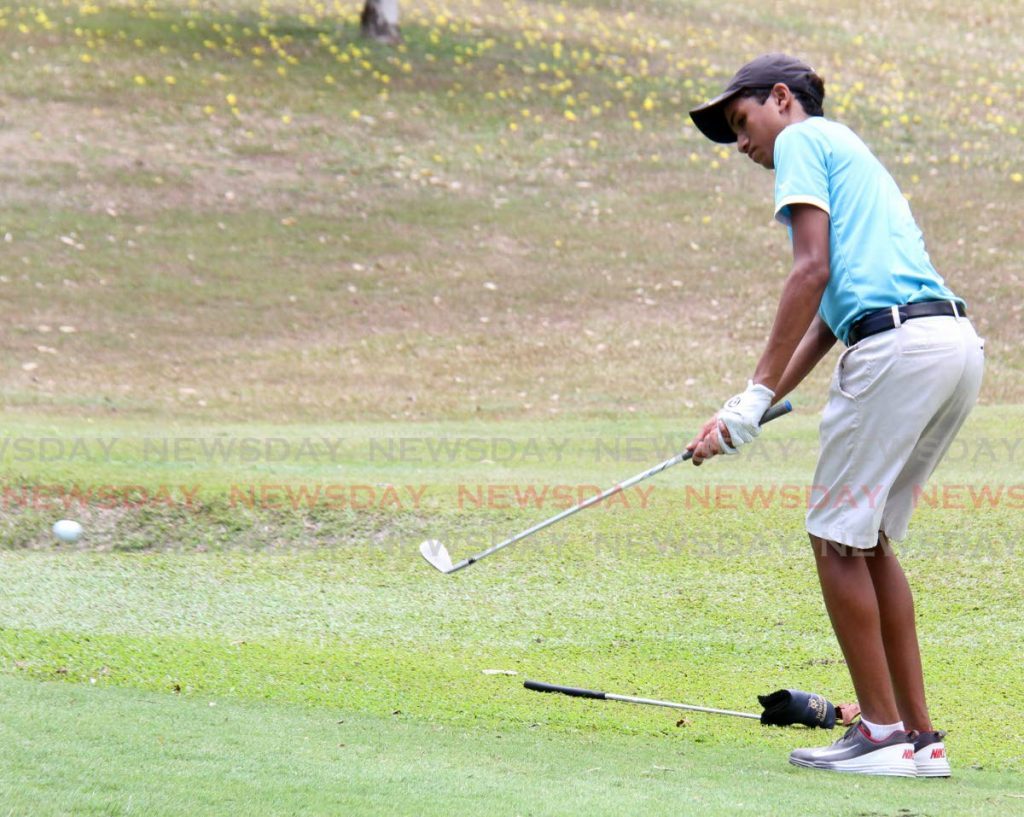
(882, 320)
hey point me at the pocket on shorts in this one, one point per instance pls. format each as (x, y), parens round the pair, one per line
(855, 372)
(931, 336)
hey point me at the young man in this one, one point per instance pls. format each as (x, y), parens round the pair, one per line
(900, 392)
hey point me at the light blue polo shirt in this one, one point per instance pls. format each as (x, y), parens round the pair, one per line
(877, 253)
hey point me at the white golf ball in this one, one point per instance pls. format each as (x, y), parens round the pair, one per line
(67, 530)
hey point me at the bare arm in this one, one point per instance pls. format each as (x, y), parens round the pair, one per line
(817, 340)
(801, 296)
(797, 340)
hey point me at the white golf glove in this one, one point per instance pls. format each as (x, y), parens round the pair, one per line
(742, 416)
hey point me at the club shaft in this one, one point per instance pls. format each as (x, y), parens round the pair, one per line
(579, 692)
(593, 500)
(774, 412)
(673, 705)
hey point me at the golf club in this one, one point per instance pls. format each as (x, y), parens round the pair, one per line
(784, 707)
(540, 686)
(437, 554)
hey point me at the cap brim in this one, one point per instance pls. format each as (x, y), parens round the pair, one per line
(710, 118)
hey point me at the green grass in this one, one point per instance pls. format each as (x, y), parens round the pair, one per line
(238, 224)
(696, 590)
(206, 755)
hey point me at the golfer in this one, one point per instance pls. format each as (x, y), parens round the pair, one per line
(902, 388)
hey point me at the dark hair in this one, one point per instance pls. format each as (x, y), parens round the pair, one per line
(811, 104)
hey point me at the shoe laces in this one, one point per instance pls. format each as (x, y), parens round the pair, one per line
(851, 729)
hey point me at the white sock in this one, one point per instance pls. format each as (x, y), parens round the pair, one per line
(880, 731)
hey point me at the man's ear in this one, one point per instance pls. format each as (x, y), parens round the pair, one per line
(782, 96)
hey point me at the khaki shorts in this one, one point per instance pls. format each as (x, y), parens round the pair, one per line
(896, 402)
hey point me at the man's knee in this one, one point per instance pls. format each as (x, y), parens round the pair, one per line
(826, 548)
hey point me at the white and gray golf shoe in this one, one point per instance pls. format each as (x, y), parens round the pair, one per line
(858, 753)
(930, 755)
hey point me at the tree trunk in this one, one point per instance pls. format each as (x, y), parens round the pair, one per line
(380, 21)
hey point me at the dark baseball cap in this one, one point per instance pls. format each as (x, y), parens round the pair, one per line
(763, 72)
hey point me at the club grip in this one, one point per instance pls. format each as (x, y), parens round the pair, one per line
(540, 686)
(776, 411)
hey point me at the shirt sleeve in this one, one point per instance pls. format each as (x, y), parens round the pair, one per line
(801, 171)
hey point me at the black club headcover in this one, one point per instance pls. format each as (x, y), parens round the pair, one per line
(788, 706)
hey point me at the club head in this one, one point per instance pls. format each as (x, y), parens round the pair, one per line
(437, 554)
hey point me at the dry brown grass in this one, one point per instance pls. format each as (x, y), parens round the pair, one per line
(293, 260)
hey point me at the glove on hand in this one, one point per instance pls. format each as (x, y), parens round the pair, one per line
(742, 416)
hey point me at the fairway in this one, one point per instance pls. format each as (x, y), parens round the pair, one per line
(211, 756)
(702, 591)
(281, 304)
